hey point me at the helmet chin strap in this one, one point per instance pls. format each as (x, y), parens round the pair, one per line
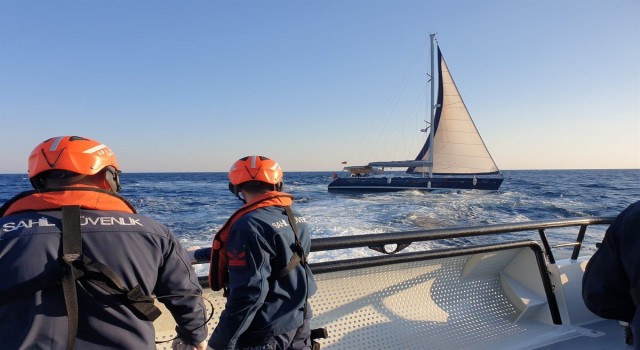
(37, 182)
(111, 176)
(234, 189)
(241, 198)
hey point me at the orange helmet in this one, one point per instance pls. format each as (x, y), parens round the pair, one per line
(71, 153)
(255, 168)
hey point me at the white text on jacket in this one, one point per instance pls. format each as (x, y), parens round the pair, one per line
(84, 221)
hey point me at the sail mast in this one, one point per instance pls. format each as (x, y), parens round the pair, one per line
(433, 107)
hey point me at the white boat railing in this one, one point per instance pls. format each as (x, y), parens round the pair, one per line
(404, 238)
(510, 294)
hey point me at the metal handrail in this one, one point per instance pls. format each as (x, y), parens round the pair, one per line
(403, 239)
(377, 240)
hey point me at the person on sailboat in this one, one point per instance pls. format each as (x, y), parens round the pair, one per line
(79, 265)
(258, 258)
(611, 281)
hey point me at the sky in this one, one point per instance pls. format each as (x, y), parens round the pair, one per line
(173, 86)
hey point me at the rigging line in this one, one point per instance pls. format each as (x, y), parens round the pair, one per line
(413, 140)
(386, 111)
(454, 103)
(385, 129)
(462, 156)
(401, 87)
(460, 132)
(401, 129)
(453, 165)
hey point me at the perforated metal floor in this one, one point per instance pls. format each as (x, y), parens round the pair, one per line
(448, 303)
(399, 306)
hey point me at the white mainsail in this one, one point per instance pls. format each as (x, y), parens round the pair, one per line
(458, 147)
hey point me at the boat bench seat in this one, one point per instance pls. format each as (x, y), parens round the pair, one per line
(491, 296)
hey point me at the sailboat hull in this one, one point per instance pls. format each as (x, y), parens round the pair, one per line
(402, 183)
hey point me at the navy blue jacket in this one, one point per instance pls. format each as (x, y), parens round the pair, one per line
(258, 306)
(139, 250)
(614, 269)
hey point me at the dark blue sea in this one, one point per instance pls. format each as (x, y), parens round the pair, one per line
(195, 205)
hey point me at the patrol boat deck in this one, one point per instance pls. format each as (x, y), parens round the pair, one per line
(503, 295)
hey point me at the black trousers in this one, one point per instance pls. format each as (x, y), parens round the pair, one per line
(298, 339)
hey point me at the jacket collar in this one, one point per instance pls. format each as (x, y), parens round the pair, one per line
(91, 198)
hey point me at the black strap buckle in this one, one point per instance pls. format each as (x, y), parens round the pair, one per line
(319, 333)
(143, 304)
(316, 334)
(71, 258)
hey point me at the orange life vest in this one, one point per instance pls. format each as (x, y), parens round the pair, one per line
(218, 269)
(91, 198)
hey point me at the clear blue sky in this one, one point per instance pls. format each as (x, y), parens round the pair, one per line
(194, 85)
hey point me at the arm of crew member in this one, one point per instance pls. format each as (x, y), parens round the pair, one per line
(199, 254)
(605, 285)
(177, 278)
(248, 287)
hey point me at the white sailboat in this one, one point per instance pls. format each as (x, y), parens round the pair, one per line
(453, 157)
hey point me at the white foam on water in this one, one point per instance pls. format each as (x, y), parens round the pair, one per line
(195, 205)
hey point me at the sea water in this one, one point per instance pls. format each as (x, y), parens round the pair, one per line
(195, 205)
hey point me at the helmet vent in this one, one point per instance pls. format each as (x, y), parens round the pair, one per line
(51, 164)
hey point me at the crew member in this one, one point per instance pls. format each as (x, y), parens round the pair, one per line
(611, 282)
(259, 258)
(79, 266)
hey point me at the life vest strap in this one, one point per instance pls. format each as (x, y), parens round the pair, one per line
(297, 258)
(293, 262)
(298, 251)
(102, 276)
(71, 250)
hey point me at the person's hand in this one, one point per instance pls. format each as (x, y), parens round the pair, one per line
(179, 344)
(190, 252)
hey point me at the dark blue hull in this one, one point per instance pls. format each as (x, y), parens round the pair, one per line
(401, 183)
